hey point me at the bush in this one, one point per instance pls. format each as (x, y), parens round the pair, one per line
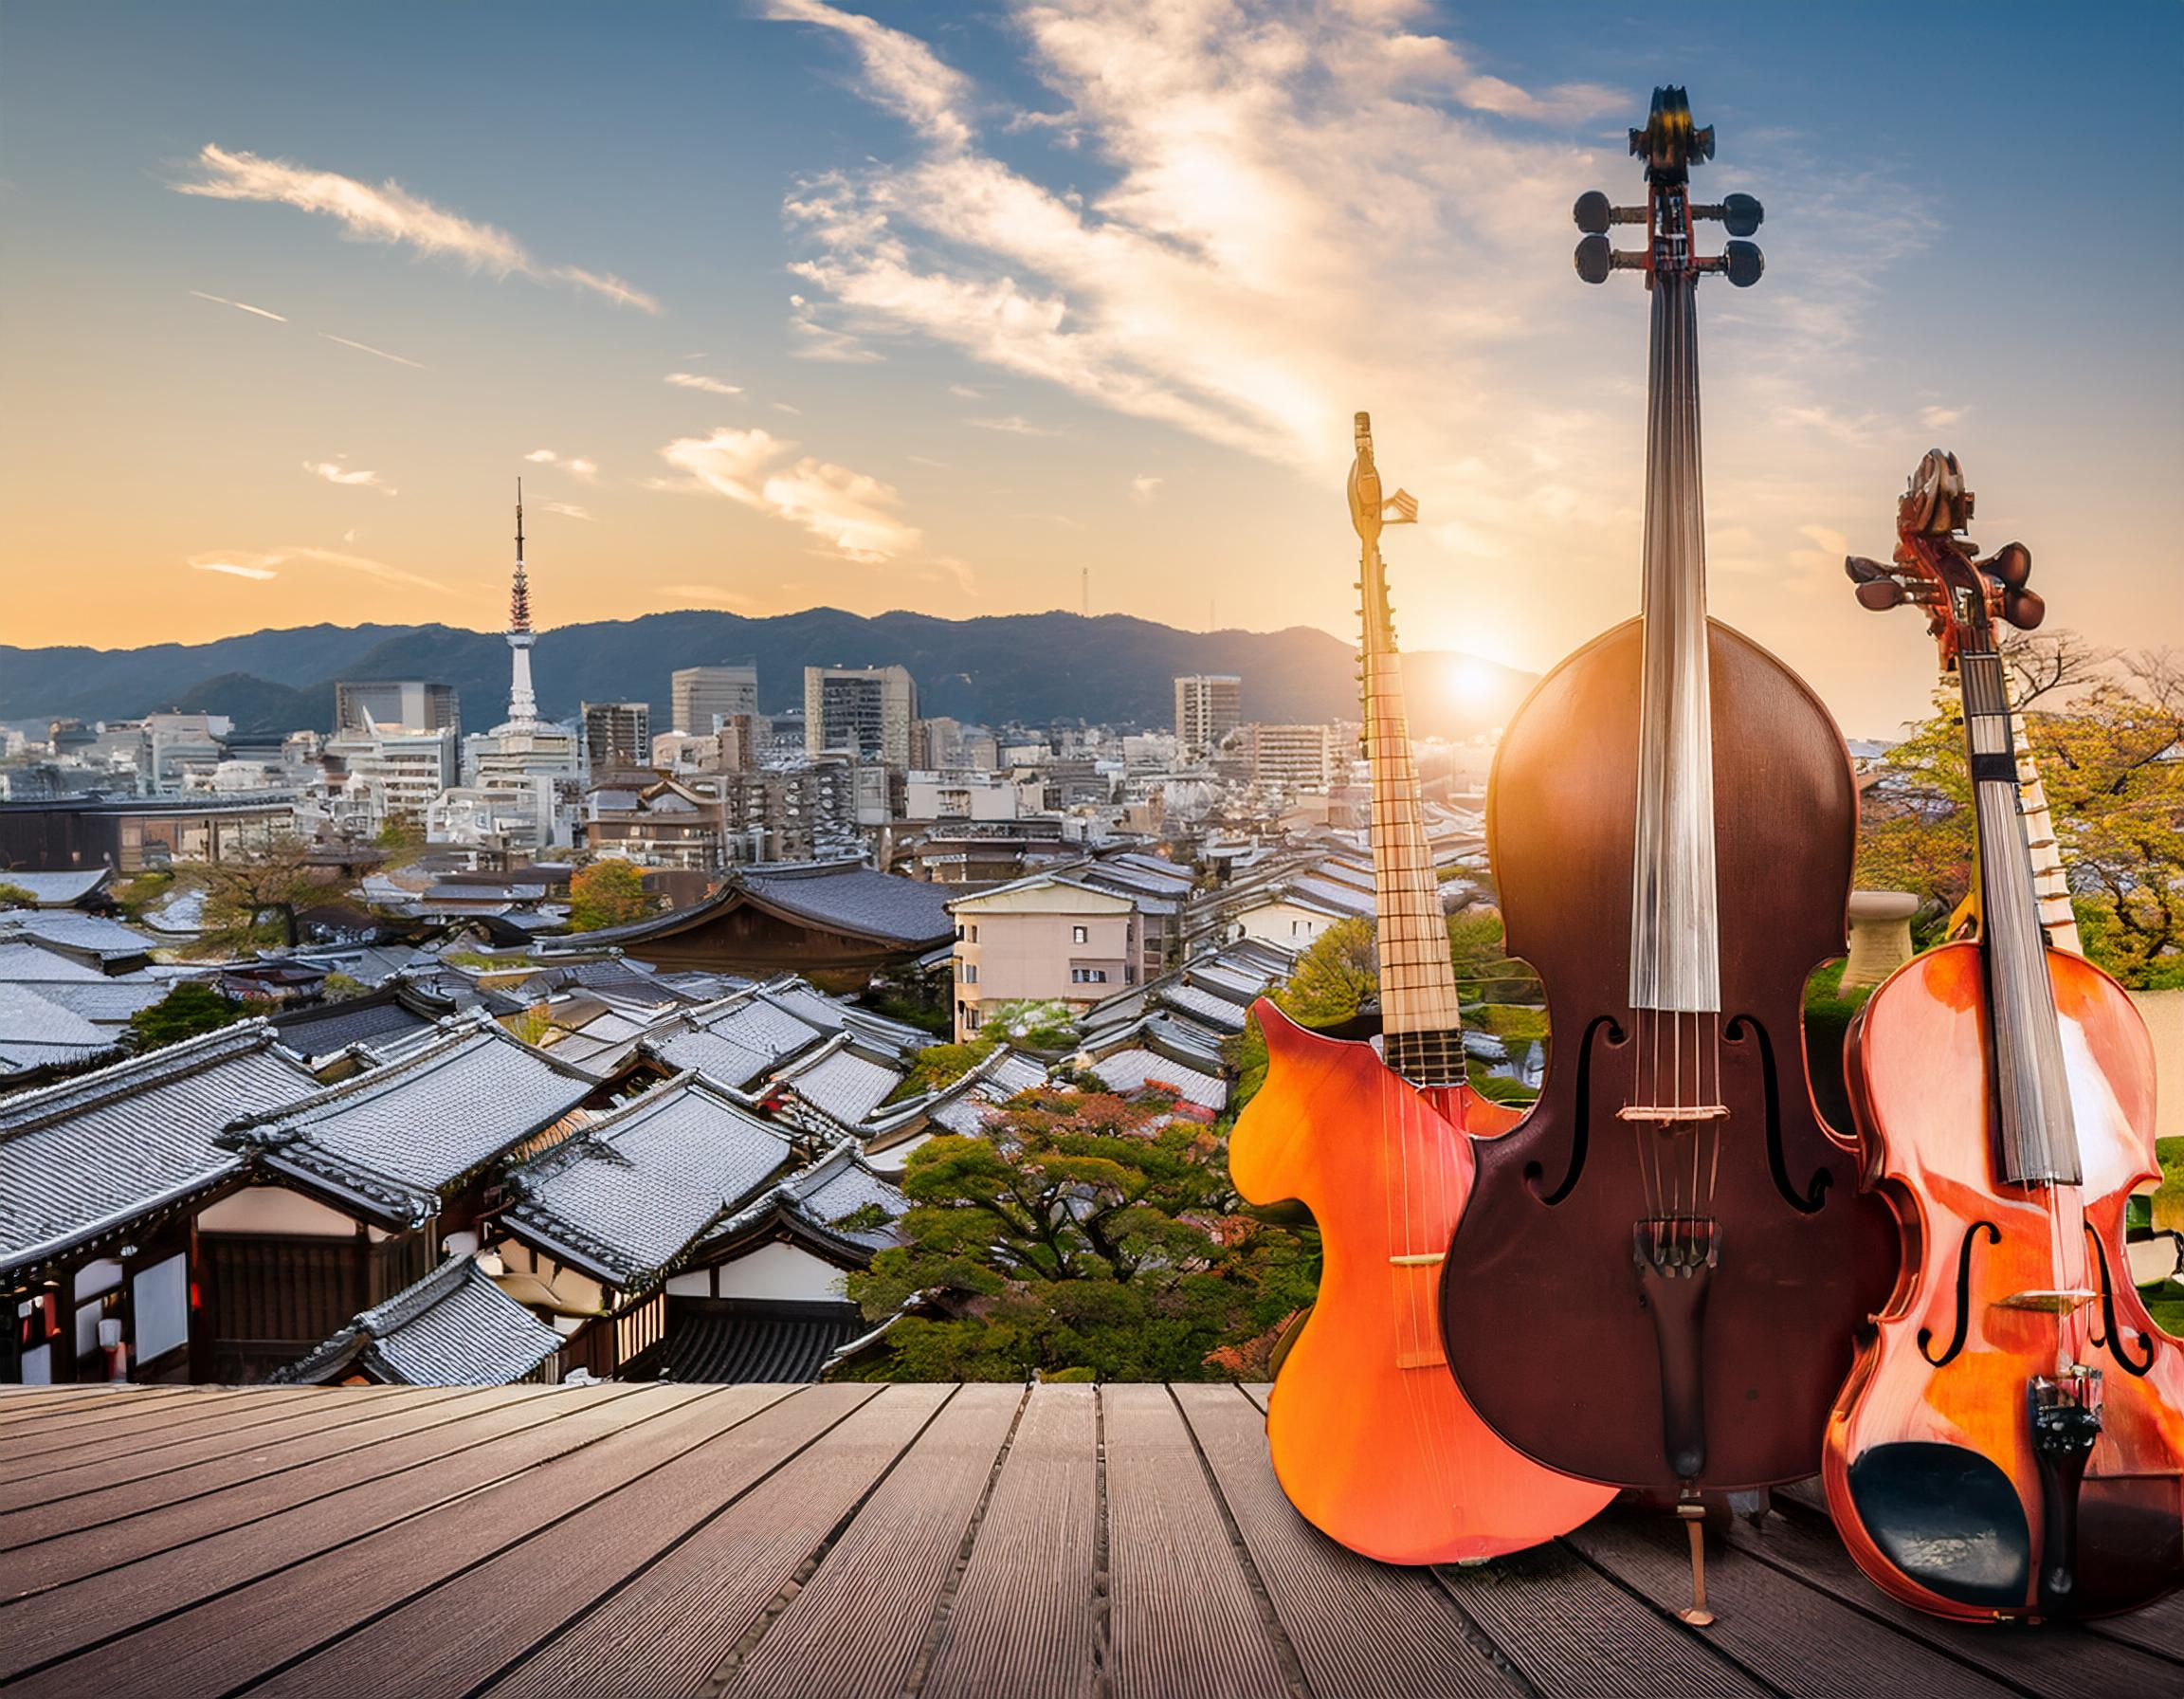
(186, 1012)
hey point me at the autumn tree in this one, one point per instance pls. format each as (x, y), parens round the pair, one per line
(607, 893)
(1083, 1231)
(256, 893)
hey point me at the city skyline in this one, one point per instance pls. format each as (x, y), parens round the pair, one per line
(791, 305)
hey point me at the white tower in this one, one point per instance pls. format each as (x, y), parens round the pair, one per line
(522, 705)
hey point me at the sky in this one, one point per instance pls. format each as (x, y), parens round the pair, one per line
(972, 309)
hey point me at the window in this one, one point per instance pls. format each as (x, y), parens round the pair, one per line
(1079, 935)
(969, 973)
(973, 932)
(1089, 975)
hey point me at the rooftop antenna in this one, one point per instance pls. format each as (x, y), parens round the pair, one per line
(519, 595)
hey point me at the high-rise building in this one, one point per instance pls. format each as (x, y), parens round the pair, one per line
(1306, 757)
(618, 734)
(390, 704)
(703, 696)
(860, 711)
(936, 744)
(392, 772)
(1208, 708)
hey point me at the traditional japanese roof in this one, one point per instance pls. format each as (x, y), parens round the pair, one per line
(102, 1001)
(373, 1018)
(38, 1036)
(454, 1328)
(95, 1153)
(23, 958)
(961, 1106)
(1206, 1005)
(87, 937)
(626, 1198)
(771, 1343)
(839, 895)
(389, 1141)
(59, 890)
(1135, 1069)
(841, 1079)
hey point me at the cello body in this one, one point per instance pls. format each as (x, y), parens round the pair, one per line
(1930, 1468)
(1372, 1441)
(1556, 1341)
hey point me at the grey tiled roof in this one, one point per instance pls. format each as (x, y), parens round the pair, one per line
(733, 1044)
(391, 1138)
(1134, 1069)
(78, 933)
(841, 1083)
(22, 960)
(58, 890)
(1204, 1005)
(37, 1032)
(96, 1151)
(628, 1194)
(759, 1343)
(454, 1328)
(857, 898)
(331, 1026)
(101, 1000)
(838, 1185)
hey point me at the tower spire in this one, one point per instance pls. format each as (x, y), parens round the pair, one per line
(522, 704)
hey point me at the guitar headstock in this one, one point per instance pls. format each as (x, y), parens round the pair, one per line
(1670, 145)
(1935, 565)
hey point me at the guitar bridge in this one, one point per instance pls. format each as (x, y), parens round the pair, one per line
(2059, 1303)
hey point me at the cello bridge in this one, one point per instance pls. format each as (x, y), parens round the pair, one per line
(2060, 1303)
(1672, 1115)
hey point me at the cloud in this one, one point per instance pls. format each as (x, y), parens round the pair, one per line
(568, 510)
(824, 343)
(1144, 487)
(367, 348)
(390, 213)
(852, 514)
(267, 563)
(585, 471)
(966, 391)
(704, 595)
(712, 386)
(334, 472)
(1940, 418)
(901, 72)
(240, 306)
(1014, 425)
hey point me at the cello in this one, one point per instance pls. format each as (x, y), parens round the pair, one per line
(1657, 1279)
(2010, 1442)
(1370, 1438)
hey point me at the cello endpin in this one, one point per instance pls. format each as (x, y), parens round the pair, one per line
(1696, 1614)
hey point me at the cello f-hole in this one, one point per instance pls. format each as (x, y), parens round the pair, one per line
(1581, 1125)
(2110, 1336)
(1815, 1194)
(1963, 1297)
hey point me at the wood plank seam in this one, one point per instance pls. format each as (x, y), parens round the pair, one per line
(605, 1598)
(944, 1605)
(1102, 1559)
(288, 1411)
(1476, 1633)
(739, 1653)
(193, 1497)
(352, 1630)
(1291, 1665)
(1675, 1624)
(547, 1414)
(153, 1620)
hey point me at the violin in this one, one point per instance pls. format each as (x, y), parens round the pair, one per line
(1657, 1278)
(1370, 1438)
(2011, 1441)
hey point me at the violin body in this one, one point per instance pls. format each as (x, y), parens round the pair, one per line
(1549, 1325)
(1931, 1468)
(1371, 1439)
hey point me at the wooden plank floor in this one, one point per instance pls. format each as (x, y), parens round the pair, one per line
(1058, 1543)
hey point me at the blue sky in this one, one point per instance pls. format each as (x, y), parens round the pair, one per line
(1166, 254)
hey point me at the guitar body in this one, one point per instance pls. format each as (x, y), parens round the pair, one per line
(1549, 1329)
(1930, 1466)
(1371, 1438)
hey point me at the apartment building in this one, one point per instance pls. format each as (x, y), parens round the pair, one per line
(1041, 938)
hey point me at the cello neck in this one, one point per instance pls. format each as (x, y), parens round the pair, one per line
(1675, 937)
(2039, 1134)
(1423, 1039)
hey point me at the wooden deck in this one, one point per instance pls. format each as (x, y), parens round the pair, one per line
(840, 1541)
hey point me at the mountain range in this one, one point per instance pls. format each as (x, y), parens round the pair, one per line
(1032, 669)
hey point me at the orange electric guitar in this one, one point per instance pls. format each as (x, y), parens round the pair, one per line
(1371, 1438)
(2011, 1443)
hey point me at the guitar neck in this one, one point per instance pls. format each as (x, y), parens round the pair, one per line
(2050, 882)
(1417, 982)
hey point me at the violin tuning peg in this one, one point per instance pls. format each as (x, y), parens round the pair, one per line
(1743, 263)
(2023, 609)
(1880, 595)
(1743, 214)
(2011, 564)
(1862, 571)
(1595, 259)
(1592, 213)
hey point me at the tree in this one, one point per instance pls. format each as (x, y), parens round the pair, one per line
(1083, 1231)
(607, 893)
(187, 1011)
(254, 895)
(15, 895)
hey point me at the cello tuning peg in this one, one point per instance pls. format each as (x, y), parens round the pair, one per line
(2011, 564)
(2023, 609)
(1595, 259)
(1743, 214)
(1743, 263)
(1592, 213)
(1881, 593)
(1862, 571)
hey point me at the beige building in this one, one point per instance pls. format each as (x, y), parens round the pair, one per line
(1301, 756)
(702, 696)
(1041, 939)
(862, 711)
(1208, 708)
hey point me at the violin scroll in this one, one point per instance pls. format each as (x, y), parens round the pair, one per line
(1936, 567)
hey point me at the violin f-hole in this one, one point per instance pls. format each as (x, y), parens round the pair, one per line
(1815, 1194)
(2109, 1335)
(1963, 1297)
(1580, 1132)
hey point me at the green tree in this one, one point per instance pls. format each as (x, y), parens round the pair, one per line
(607, 893)
(1083, 1231)
(15, 895)
(1032, 1024)
(187, 1011)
